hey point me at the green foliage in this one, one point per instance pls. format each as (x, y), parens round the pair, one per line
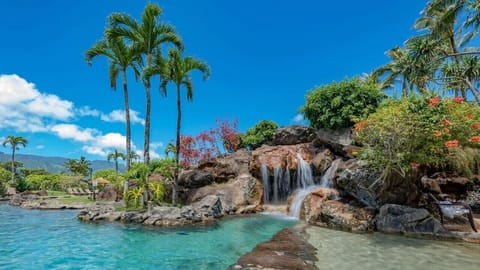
(116, 179)
(164, 167)
(158, 191)
(27, 172)
(132, 197)
(43, 182)
(338, 104)
(261, 133)
(5, 176)
(422, 133)
(80, 166)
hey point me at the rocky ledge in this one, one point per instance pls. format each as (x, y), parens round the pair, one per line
(205, 210)
(288, 249)
(38, 200)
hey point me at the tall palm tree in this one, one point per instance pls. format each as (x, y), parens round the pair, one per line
(121, 56)
(176, 69)
(115, 155)
(441, 22)
(14, 142)
(147, 36)
(133, 156)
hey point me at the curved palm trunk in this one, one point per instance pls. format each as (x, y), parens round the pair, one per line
(13, 164)
(146, 145)
(177, 152)
(116, 165)
(127, 122)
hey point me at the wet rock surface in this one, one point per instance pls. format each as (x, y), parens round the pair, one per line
(293, 135)
(288, 249)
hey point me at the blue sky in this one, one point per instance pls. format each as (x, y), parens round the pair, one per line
(264, 56)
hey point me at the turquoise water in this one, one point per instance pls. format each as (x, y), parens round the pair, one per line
(31, 239)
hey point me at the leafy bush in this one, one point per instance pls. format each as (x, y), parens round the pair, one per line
(43, 182)
(423, 133)
(164, 167)
(116, 179)
(261, 133)
(158, 191)
(339, 104)
(5, 177)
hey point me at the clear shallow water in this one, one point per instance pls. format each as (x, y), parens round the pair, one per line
(346, 251)
(31, 239)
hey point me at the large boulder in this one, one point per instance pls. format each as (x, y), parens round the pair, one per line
(336, 140)
(195, 179)
(228, 167)
(371, 189)
(243, 192)
(322, 161)
(110, 193)
(394, 218)
(280, 157)
(439, 183)
(293, 135)
(321, 210)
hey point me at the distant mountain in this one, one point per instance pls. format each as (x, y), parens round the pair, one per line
(54, 164)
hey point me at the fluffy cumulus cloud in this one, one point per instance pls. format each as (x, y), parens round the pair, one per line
(119, 116)
(25, 109)
(73, 132)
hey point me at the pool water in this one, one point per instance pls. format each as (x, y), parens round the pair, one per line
(31, 239)
(338, 250)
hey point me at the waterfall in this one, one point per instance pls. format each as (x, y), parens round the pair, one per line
(277, 178)
(266, 184)
(327, 178)
(297, 202)
(304, 173)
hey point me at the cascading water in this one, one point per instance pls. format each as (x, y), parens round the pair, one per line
(326, 182)
(304, 173)
(266, 184)
(327, 178)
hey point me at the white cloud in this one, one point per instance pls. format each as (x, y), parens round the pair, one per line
(298, 119)
(155, 145)
(87, 111)
(25, 109)
(73, 132)
(40, 147)
(119, 116)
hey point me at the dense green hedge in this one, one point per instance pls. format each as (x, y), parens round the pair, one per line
(261, 133)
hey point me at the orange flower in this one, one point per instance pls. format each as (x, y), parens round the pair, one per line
(475, 126)
(434, 101)
(475, 139)
(414, 164)
(437, 134)
(446, 130)
(445, 122)
(360, 125)
(458, 99)
(469, 115)
(452, 143)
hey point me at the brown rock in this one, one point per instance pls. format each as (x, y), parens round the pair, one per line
(223, 169)
(322, 161)
(288, 249)
(280, 156)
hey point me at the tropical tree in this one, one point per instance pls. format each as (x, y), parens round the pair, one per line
(81, 166)
(115, 155)
(147, 36)
(15, 142)
(170, 149)
(121, 57)
(133, 156)
(176, 69)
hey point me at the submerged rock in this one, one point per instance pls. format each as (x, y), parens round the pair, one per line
(394, 218)
(288, 249)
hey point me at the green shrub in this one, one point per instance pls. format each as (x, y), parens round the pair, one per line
(5, 177)
(430, 134)
(164, 167)
(115, 179)
(158, 190)
(43, 182)
(261, 133)
(339, 104)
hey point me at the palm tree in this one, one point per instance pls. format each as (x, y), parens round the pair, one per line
(81, 166)
(177, 70)
(14, 142)
(441, 22)
(147, 36)
(115, 155)
(121, 57)
(170, 149)
(133, 156)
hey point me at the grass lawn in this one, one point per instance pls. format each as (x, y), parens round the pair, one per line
(70, 199)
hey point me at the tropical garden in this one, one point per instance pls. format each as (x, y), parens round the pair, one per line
(418, 112)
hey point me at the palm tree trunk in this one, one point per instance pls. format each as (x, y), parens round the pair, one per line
(177, 152)
(116, 166)
(13, 164)
(146, 145)
(127, 120)
(404, 88)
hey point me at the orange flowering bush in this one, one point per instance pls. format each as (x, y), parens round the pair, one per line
(432, 133)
